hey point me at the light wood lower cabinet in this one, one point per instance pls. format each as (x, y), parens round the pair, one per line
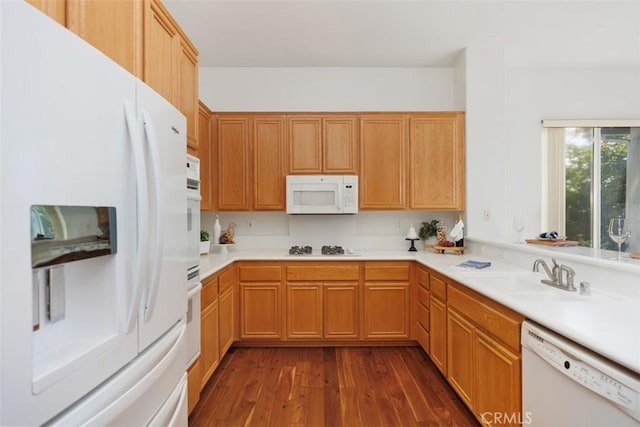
(484, 359)
(260, 300)
(438, 333)
(209, 329)
(461, 336)
(322, 300)
(216, 328)
(421, 308)
(340, 315)
(226, 304)
(386, 300)
(304, 310)
(194, 385)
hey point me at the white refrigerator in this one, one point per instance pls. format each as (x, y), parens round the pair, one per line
(93, 246)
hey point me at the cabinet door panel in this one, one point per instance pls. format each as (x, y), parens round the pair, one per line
(204, 154)
(382, 162)
(160, 67)
(386, 310)
(233, 163)
(225, 303)
(188, 92)
(260, 309)
(209, 343)
(436, 169)
(340, 145)
(460, 356)
(304, 310)
(54, 9)
(499, 378)
(113, 27)
(341, 315)
(438, 334)
(305, 145)
(269, 161)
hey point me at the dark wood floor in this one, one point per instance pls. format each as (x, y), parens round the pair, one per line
(341, 386)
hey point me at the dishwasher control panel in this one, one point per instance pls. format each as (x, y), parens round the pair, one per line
(575, 367)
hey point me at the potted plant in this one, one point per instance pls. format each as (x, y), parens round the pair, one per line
(204, 242)
(428, 232)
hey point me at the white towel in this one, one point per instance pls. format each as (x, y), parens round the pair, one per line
(457, 233)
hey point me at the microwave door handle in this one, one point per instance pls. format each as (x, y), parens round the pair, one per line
(154, 281)
(142, 214)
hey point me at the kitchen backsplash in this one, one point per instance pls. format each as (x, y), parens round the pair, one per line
(365, 230)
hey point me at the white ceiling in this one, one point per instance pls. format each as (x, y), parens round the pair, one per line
(418, 33)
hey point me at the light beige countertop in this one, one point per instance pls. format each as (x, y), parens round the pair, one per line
(606, 322)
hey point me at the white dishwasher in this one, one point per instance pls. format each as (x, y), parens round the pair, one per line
(565, 384)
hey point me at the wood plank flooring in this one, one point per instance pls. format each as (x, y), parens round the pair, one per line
(331, 386)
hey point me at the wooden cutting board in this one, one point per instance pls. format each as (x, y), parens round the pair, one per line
(552, 242)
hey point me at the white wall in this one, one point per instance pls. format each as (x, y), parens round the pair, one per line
(504, 147)
(327, 89)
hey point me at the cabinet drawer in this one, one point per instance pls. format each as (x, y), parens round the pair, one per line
(438, 286)
(225, 280)
(422, 296)
(323, 272)
(209, 291)
(260, 273)
(387, 271)
(422, 277)
(491, 317)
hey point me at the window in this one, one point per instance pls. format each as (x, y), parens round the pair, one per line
(593, 176)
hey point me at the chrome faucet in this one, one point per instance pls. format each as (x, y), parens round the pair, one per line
(556, 275)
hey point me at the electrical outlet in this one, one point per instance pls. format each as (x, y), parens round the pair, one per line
(398, 224)
(486, 215)
(250, 224)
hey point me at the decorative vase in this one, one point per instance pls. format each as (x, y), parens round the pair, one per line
(204, 247)
(430, 242)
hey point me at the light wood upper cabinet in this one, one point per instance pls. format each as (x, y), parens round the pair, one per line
(383, 147)
(170, 65)
(187, 98)
(205, 154)
(160, 50)
(305, 145)
(436, 161)
(55, 9)
(233, 146)
(340, 148)
(113, 27)
(268, 163)
(251, 160)
(323, 144)
(386, 300)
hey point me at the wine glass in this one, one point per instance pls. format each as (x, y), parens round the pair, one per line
(619, 233)
(518, 225)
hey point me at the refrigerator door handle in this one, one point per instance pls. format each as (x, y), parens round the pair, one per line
(156, 182)
(142, 199)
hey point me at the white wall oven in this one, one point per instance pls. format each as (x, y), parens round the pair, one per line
(193, 256)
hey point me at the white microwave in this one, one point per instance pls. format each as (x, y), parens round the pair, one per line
(322, 194)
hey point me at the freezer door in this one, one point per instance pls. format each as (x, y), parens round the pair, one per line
(164, 301)
(151, 387)
(64, 142)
